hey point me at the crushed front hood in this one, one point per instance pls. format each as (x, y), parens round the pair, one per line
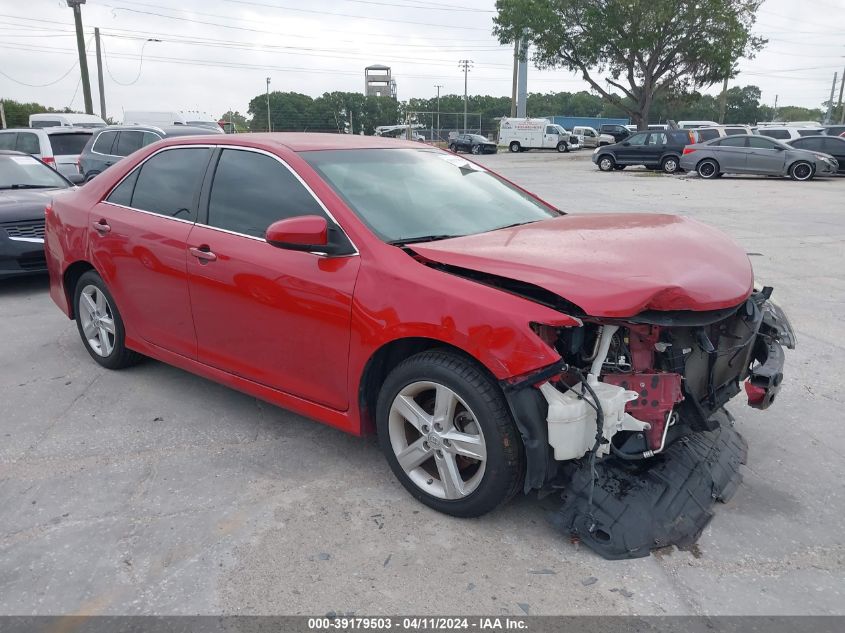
(611, 265)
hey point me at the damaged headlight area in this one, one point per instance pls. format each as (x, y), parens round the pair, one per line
(631, 425)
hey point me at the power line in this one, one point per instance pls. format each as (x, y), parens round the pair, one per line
(140, 65)
(50, 83)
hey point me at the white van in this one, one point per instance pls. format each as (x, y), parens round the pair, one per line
(691, 125)
(65, 119)
(158, 118)
(519, 135)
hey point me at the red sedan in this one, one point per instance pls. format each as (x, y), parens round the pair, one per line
(379, 285)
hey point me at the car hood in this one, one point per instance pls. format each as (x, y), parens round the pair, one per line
(611, 265)
(24, 204)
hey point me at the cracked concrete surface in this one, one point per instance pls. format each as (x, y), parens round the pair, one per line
(153, 491)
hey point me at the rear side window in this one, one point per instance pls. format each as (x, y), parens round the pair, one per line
(129, 141)
(40, 124)
(251, 191)
(760, 142)
(707, 135)
(28, 142)
(122, 194)
(834, 145)
(735, 130)
(782, 134)
(737, 141)
(64, 144)
(808, 132)
(169, 182)
(7, 141)
(104, 142)
(814, 144)
(657, 138)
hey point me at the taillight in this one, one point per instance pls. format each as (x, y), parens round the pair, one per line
(688, 150)
(49, 160)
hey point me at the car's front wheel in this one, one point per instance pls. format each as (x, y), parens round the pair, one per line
(447, 433)
(606, 162)
(100, 324)
(476, 149)
(707, 169)
(802, 170)
(562, 147)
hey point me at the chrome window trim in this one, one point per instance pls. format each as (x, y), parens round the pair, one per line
(301, 182)
(105, 200)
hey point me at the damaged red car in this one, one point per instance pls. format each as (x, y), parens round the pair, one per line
(495, 344)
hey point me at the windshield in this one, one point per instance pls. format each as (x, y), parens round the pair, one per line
(64, 144)
(407, 195)
(26, 172)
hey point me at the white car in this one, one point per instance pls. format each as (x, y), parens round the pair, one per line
(788, 132)
(58, 147)
(709, 133)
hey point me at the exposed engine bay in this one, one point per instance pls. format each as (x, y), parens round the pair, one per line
(625, 392)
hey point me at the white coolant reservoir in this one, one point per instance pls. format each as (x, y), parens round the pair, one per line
(572, 422)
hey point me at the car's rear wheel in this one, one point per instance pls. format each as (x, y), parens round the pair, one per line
(562, 147)
(801, 170)
(670, 165)
(476, 149)
(514, 146)
(707, 169)
(91, 175)
(447, 433)
(99, 323)
(606, 162)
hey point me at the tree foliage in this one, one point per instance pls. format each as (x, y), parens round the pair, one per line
(633, 51)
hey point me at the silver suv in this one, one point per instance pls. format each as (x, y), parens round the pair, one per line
(58, 147)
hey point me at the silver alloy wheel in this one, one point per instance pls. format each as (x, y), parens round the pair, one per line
(97, 319)
(437, 440)
(606, 164)
(670, 165)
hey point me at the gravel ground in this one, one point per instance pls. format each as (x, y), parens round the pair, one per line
(153, 491)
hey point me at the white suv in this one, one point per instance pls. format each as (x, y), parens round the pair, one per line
(715, 131)
(788, 132)
(59, 147)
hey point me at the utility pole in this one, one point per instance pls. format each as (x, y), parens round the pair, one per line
(723, 98)
(83, 58)
(522, 80)
(465, 65)
(100, 74)
(2, 116)
(841, 107)
(439, 86)
(775, 110)
(269, 126)
(515, 75)
(830, 102)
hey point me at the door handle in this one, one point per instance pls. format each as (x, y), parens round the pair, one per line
(102, 227)
(203, 254)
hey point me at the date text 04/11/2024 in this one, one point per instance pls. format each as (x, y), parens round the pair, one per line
(432, 623)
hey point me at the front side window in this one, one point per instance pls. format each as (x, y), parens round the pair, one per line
(169, 182)
(250, 191)
(129, 141)
(550, 130)
(637, 139)
(104, 142)
(407, 195)
(28, 143)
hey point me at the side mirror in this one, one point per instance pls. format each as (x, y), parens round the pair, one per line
(779, 148)
(303, 233)
(76, 179)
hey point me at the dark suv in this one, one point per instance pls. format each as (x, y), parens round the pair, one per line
(658, 149)
(834, 130)
(618, 132)
(474, 143)
(109, 144)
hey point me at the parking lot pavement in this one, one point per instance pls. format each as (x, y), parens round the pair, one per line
(153, 491)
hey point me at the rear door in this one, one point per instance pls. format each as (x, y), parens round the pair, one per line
(101, 156)
(277, 317)
(732, 154)
(764, 156)
(835, 146)
(66, 150)
(138, 242)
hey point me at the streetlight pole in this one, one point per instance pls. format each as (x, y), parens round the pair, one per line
(269, 125)
(83, 57)
(465, 64)
(438, 86)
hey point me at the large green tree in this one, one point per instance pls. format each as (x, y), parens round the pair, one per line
(639, 48)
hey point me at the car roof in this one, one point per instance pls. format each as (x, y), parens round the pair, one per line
(299, 141)
(169, 130)
(11, 152)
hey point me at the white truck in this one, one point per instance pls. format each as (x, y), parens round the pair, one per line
(519, 135)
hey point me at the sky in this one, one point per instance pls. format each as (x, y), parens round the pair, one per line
(215, 55)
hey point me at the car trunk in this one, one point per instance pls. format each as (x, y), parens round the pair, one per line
(66, 150)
